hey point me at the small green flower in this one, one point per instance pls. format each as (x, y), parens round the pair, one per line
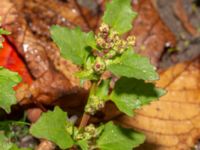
(90, 129)
(114, 36)
(131, 40)
(87, 133)
(108, 45)
(99, 65)
(94, 105)
(79, 136)
(104, 28)
(90, 109)
(100, 41)
(111, 54)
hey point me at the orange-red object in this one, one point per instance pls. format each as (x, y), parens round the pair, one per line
(10, 60)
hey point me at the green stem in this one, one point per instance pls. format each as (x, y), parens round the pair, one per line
(86, 117)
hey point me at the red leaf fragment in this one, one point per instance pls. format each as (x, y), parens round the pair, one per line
(11, 60)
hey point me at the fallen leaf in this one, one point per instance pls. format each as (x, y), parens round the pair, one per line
(184, 19)
(173, 122)
(152, 35)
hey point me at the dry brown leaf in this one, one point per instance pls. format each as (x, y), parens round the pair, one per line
(152, 35)
(173, 122)
(181, 14)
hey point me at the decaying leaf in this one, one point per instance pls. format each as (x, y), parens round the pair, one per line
(173, 122)
(152, 35)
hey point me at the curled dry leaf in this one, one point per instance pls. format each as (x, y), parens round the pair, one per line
(173, 122)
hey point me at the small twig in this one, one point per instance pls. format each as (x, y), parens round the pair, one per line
(84, 120)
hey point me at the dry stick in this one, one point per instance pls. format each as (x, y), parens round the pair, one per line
(84, 120)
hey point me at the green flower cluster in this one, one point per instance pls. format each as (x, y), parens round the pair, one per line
(110, 45)
(94, 104)
(89, 132)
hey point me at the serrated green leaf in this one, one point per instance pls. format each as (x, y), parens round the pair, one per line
(8, 80)
(129, 94)
(132, 65)
(117, 138)
(119, 15)
(51, 126)
(73, 43)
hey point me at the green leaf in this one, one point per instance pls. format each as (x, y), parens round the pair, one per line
(73, 43)
(119, 15)
(117, 138)
(51, 126)
(8, 80)
(14, 147)
(129, 94)
(133, 66)
(4, 142)
(5, 126)
(83, 144)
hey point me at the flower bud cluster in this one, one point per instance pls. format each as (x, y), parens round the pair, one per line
(99, 65)
(88, 133)
(94, 104)
(111, 43)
